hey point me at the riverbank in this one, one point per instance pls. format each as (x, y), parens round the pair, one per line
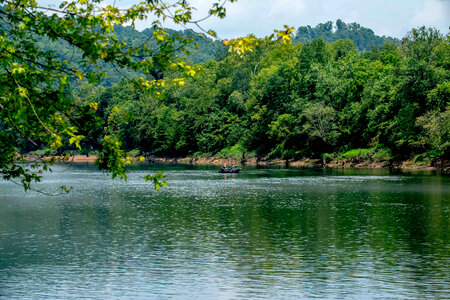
(68, 158)
(207, 226)
(308, 163)
(437, 165)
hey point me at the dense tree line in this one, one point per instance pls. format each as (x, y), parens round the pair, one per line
(47, 48)
(363, 37)
(292, 101)
(72, 77)
(199, 50)
(204, 48)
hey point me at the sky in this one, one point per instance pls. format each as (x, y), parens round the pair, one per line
(260, 17)
(385, 17)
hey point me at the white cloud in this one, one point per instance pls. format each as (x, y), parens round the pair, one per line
(261, 17)
(435, 13)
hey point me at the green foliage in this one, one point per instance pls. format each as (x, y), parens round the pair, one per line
(355, 154)
(420, 158)
(134, 153)
(435, 131)
(43, 152)
(286, 101)
(234, 152)
(321, 123)
(159, 180)
(266, 97)
(112, 158)
(376, 154)
(46, 50)
(364, 38)
(329, 156)
(381, 155)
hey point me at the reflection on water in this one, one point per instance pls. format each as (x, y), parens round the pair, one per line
(261, 234)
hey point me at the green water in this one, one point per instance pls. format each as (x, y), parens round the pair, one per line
(261, 234)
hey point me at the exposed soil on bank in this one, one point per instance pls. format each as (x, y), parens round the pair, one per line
(441, 165)
(71, 158)
(307, 163)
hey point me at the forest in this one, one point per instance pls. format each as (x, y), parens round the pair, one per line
(336, 91)
(139, 161)
(364, 38)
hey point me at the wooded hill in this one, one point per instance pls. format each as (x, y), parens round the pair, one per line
(364, 38)
(203, 48)
(310, 99)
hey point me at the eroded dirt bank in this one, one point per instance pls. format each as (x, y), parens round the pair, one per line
(440, 165)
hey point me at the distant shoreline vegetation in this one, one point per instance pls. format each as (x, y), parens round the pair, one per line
(204, 48)
(338, 92)
(364, 38)
(356, 158)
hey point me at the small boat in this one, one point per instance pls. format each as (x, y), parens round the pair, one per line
(229, 170)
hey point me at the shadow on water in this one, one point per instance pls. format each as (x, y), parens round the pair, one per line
(264, 233)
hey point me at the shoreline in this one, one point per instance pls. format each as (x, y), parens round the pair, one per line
(443, 166)
(305, 163)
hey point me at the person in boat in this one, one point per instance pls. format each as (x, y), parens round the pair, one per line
(224, 168)
(233, 167)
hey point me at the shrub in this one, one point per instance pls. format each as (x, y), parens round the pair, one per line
(374, 154)
(231, 152)
(353, 153)
(329, 156)
(93, 153)
(43, 152)
(200, 154)
(419, 158)
(381, 155)
(134, 153)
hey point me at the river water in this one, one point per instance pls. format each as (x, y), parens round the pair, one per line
(262, 234)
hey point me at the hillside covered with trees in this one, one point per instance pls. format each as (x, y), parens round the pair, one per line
(199, 50)
(79, 80)
(313, 99)
(204, 48)
(364, 38)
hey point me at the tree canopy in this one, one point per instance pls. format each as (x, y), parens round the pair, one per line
(74, 77)
(364, 38)
(34, 81)
(289, 101)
